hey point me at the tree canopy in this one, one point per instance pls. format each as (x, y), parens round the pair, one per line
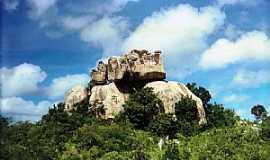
(143, 131)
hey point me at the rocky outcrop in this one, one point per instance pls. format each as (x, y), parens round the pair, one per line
(138, 65)
(74, 96)
(113, 81)
(107, 100)
(172, 92)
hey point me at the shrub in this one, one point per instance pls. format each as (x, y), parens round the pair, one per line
(187, 116)
(164, 125)
(200, 92)
(266, 128)
(218, 116)
(141, 108)
(259, 112)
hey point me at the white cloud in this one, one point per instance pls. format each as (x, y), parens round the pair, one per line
(252, 46)
(39, 7)
(76, 23)
(235, 98)
(10, 5)
(23, 110)
(180, 32)
(21, 79)
(107, 32)
(60, 85)
(248, 78)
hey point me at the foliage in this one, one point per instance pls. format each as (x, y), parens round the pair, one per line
(200, 92)
(259, 112)
(238, 143)
(172, 151)
(137, 133)
(141, 108)
(186, 115)
(164, 125)
(266, 128)
(218, 116)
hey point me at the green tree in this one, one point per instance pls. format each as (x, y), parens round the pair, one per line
(187, 116)
(259, 112)
(200, 92)
(141, 108)
(218, 116)
(164, 125)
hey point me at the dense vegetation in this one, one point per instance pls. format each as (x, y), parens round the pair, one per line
(142, 131)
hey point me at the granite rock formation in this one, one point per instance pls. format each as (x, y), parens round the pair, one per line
(138, 65)
(107, 100)
(74, 96)
(172, 92)
(112, 82)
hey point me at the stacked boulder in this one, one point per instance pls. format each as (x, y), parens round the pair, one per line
(113, 80)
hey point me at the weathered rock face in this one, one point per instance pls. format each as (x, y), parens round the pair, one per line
(75, 95)
(107, 99)
(111, 99)
(114, 80)
(172, 92)
(136, 65)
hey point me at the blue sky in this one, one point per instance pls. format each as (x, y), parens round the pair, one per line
(48, 46)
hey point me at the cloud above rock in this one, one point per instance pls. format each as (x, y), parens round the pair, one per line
(180, 32)
(107, 33)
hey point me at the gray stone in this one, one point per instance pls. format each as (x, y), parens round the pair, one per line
(172, 92)
(136, 65)
(74, 96)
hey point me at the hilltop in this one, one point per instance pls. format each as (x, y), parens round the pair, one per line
(130, 112)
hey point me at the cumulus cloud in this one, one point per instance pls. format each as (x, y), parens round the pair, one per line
(107, 33)
(235, 98)
(21, 79)
(248, 78)
(10, 5)
(180, 32)
(22, 110)
(252, 46)
(60, 85)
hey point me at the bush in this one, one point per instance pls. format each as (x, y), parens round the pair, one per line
(164, 125)
(200, 92)
(172, 151)
(228, 143)
(141, 108)
(218, 116)
(187, 116)
(266, 128)
(259, 112)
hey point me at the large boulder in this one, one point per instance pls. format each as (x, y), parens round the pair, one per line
(107, 99)
(172, 92)
(74, 96)
(137, 65)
